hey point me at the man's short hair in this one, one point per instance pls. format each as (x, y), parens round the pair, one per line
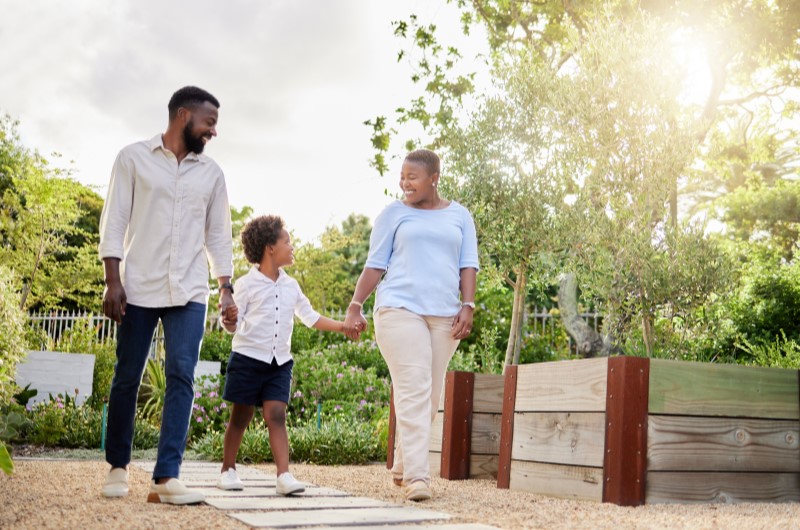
(189, 97)
(258, 234)
(427, 158)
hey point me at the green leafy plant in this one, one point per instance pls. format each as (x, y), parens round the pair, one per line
(154, 389)
(23, 396)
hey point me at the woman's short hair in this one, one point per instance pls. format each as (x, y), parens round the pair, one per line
(427, 158)
(258, 234)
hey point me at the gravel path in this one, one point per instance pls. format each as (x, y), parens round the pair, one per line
(65, 494)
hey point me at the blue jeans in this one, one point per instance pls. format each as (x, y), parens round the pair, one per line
(183, 332)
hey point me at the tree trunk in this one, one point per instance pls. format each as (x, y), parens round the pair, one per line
(589, 343)
(515, 333)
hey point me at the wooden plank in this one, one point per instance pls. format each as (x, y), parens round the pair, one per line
(436, 433)
(567, 482)
(625, 457)
(457, 431)
(507, 428)
(435, 463)
(575, 439)
(483, 466)
(571, 386)
(703, 389)
(486, 433)
(488, 394)
(692, 443)
(392, 432)
(687, 487)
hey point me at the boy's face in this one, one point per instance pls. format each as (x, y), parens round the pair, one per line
(282, 251)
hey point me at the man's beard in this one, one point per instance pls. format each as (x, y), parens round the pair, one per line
(193, 143)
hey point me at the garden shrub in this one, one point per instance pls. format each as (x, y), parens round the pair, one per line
(337, 442)
(320, 377)
(216, 346)
(209, 411)
(12, 334)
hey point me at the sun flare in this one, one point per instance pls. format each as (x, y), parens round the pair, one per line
(690, 52)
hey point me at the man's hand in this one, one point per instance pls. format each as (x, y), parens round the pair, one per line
(226, 302)
(114, 301)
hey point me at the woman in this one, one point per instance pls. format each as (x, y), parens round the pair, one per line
(428, 249)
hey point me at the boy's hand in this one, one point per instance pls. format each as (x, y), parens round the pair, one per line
(230, 316)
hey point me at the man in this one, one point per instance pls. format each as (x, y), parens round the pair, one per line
(166, 212)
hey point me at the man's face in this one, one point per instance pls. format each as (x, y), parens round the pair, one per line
(201, 127)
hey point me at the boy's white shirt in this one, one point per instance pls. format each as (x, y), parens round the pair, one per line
(266, 315)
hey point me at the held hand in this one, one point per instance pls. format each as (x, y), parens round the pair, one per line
(354, 323)
(230, 316)
(114, 301)
(462, 324)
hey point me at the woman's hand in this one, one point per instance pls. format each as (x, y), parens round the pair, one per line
(354, 322)
(462, 324)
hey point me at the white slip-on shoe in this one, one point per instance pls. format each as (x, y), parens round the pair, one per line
(287, 485)
(174, 492)
(116, 484)
(418, 491)
(229, 480)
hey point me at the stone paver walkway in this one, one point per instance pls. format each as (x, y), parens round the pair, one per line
(259, 506)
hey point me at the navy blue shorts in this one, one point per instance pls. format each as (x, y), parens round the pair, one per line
(249, 381)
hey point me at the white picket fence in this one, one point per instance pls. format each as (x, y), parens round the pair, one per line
(55, 323)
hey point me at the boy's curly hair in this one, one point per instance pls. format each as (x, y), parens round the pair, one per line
(258, 234)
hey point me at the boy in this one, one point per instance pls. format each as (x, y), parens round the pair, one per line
(260, 367)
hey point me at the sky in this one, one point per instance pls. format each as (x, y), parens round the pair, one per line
(296, 79)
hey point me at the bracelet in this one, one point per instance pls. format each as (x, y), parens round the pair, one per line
(353, 302)
(468, 304)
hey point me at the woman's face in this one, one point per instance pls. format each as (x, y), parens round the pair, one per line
(416, 184)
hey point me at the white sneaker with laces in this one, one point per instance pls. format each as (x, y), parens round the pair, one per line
(229, 480)
(287, 485)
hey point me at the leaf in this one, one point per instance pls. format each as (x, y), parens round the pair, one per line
(6, 464)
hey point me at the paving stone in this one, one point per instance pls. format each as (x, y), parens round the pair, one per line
(354, 517)
(461, 526)
(269, 492)
(212, 483)
(293, 503)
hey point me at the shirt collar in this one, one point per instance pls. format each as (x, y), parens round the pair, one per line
(157, 142)
(263, 278)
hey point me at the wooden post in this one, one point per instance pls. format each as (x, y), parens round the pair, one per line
(507, 429)
(392, 430)
(457, 432)
(625, 455)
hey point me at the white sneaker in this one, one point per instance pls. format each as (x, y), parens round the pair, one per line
(287, 485)
(116, 484)
(229, 480)
(174, 492)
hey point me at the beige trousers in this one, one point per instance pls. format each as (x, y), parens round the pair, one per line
(417, 350)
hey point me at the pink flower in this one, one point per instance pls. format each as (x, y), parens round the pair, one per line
(339, 376)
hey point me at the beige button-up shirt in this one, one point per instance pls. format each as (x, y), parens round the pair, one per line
(266, 315)
(166, 221)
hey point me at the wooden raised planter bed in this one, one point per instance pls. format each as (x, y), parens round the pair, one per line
(631, 431)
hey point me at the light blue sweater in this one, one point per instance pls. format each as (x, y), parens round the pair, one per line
(423, 252)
